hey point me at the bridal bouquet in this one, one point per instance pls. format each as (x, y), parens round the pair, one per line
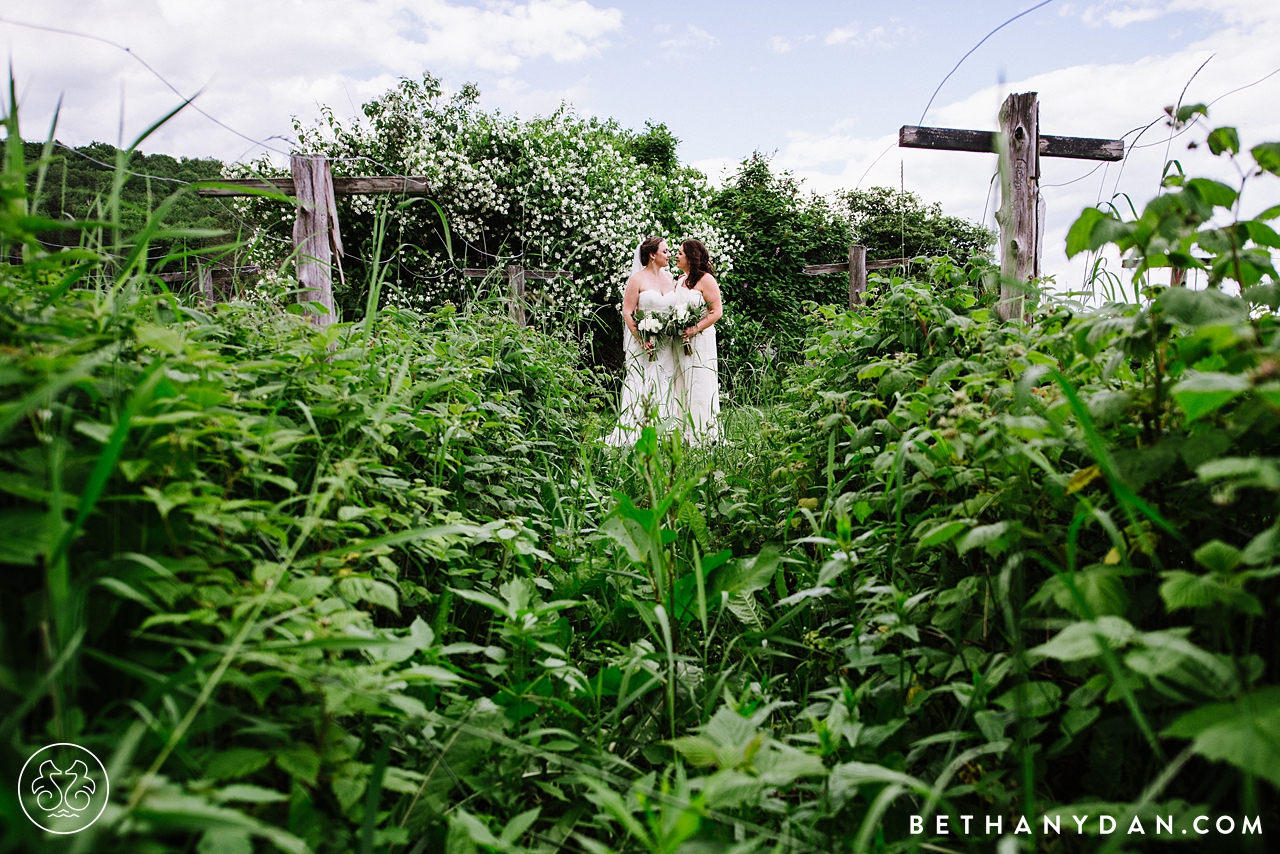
(653, 326)
(684, 315)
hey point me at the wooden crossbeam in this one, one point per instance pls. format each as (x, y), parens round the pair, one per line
(401, 184)
(843, 266)
(955, 139)
(481, 272)
(516, 276)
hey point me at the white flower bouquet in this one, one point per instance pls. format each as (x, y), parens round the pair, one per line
(653, 327)
(684, 315)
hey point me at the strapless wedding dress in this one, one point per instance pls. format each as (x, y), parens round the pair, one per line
(648, 388)
(697, 387)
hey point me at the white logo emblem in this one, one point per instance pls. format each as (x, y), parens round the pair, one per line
(63, 788)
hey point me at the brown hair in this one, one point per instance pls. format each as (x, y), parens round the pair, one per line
(699, 261)
(647, 248)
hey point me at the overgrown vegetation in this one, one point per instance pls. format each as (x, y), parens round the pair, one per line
(378, 587)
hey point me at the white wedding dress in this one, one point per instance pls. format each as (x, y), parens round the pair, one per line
(697, 387)
(648, 388)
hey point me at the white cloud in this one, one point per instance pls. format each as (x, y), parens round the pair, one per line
(1086, 100)
(692, 39)
(259, 63)
(855, 37)
(779, 45)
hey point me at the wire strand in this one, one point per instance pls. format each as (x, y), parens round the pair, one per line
(146, 65)
(974, 48)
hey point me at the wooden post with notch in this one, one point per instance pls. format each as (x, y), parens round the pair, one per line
(1020, 145)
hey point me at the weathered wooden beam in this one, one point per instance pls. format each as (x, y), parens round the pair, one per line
(956, 139)
(843, 266)
(824, 269)
(403, 185)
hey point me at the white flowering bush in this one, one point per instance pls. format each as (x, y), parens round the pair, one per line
(559, 192)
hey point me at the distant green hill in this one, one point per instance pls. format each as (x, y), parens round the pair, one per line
(78, 179)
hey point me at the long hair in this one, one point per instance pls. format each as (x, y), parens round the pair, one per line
(699, 261)
(647, 248)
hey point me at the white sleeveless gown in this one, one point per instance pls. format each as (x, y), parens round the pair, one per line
(648, 387)
(697, 388)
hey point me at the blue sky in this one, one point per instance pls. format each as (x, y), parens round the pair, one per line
(821, 87)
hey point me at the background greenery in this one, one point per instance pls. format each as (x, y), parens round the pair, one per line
(379, 587)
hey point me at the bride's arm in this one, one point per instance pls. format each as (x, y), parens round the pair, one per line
(630, 300)
(710, 290)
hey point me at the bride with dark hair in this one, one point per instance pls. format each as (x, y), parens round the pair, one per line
(649, 383)
(697, 386)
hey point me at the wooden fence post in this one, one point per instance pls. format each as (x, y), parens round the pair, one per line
(857, 274)
(515, 290)
(315, 233)
(1019, 199)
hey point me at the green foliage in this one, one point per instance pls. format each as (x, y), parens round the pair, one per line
(896, 224)
(77, 185)
(379, 587)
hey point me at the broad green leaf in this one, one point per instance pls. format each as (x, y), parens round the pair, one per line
(1267, 156)
(696, 750)
(1203, 394)
(1263, 548)
(1081, 231)
(1215, 193)
(942, 533)
(225, 840)
(1245, 733)
(983, 535)
(1218, 556)
(1245, 471)
(781, 765)
(1224, 139)
(731, 788)
(1037, 699)
(235, 763)
(1101, 586)
(1080, 640)
(300, 762)
(1182, 589)
(24, 535)
(747, 575)
(360, 589)
(249, 794)
(845, 779)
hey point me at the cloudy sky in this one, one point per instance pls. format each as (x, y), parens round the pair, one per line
(822, 87)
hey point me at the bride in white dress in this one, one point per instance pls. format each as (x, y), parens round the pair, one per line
(649, 385)
(697, 387)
